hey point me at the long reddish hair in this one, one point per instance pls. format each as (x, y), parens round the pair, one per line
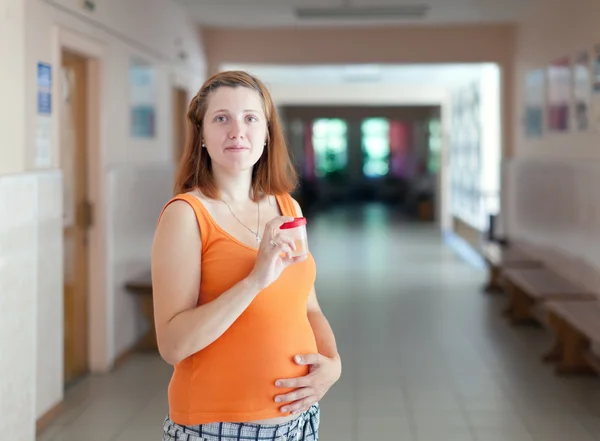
(273, 173)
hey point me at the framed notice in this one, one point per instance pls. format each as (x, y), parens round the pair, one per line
(596, 89)
(596, 69)
(534, 103)
(142, 77)
(582, 91)
(44, 92)
(43, 129)
(559, 94)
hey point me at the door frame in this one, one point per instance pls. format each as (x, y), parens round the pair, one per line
(177, 124)
(100, 338)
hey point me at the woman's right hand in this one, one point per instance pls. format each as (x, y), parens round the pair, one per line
(273, 254)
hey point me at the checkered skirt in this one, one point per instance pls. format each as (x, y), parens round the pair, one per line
(303, 428)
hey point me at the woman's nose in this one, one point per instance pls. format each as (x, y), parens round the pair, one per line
(236, 130)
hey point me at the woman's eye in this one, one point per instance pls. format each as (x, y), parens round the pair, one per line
(220, 118)
(252, 119)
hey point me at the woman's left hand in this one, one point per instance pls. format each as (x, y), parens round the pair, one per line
(323, 373)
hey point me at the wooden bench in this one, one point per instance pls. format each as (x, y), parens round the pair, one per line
(528, 287)
(576, 327)
(498, 258)
(142, 286)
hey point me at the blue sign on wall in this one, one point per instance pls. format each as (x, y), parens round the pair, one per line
(44, 103)
(44, 83)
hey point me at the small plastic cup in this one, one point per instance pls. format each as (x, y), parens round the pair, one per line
(296, 229)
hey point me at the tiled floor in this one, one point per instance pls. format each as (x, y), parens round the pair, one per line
(427, 357)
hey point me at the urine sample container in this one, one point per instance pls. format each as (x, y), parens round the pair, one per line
(296, 229)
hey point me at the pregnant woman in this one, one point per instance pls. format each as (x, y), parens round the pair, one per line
(236, 314)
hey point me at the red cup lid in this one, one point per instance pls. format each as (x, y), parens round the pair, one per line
(297, 222)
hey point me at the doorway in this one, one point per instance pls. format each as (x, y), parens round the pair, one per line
(180, 104)
(77, 213)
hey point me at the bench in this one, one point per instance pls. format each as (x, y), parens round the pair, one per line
(576, 327)
(498, 258)
(530, 287)
(142, 287)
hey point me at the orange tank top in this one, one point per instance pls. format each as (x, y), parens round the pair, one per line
(233, 379)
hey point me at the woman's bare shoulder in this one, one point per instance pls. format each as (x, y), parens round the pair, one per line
(178, 218)
(177, 210)
(177, 236)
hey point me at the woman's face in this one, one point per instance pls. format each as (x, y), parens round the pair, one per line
(235, 128)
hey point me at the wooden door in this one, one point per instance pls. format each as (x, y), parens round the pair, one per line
(180, 106)
(77, 214)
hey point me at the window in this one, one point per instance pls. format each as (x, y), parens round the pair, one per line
(435, 146)
(375, 147)
(330, 144)
(465, 161)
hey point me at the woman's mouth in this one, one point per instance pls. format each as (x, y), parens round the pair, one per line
(236, 148)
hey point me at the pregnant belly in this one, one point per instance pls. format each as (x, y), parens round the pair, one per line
(237, 373)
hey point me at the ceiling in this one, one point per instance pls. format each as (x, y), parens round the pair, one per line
(282, 13)
(444, 75)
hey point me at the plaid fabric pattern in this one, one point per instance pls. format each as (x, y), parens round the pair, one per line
(303, 428)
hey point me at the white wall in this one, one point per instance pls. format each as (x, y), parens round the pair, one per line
(555, 206)
(18, 303)
(49, 272)
(137, 194)
(31, 31)
(12, 80)
(30, 229)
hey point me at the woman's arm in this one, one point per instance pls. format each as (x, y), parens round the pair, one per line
(182, 328)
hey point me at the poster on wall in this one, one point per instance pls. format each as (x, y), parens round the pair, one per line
(559, 94)
(142, 77)
(582, 91)
(43, 132)
(597, 69)
(534, 103)
(596, 89)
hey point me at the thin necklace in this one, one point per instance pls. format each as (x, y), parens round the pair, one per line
(258, 238)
